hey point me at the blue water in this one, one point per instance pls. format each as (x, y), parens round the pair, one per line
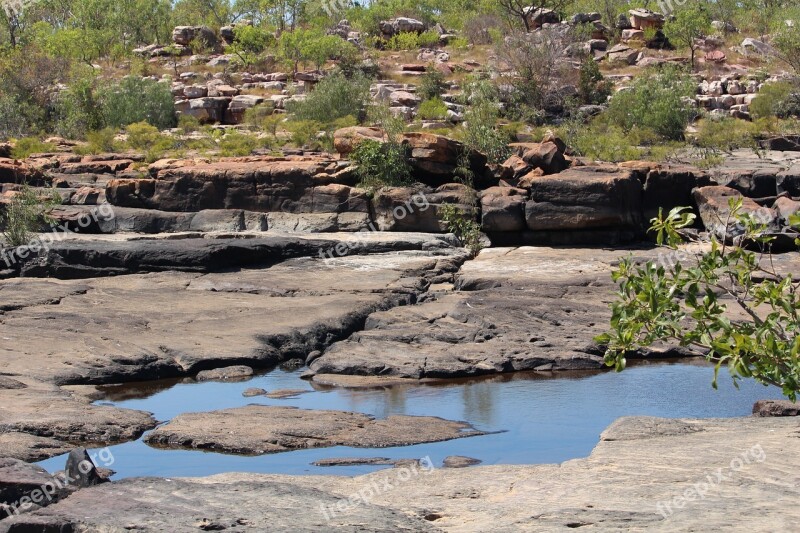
(537, 419)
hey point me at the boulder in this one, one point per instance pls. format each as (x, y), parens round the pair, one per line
(413, 209)
(81, 470)
(642, 19)
(756, 47)
(621, 53)
(585, 198)
(434, 158)
(776, 408)
(715, 212)
(230, 373)
(184, 35)
(239, 106)
(548, 156)
(345, 140)
(787, 208)
(538, 17)
(503, 209)
(397, 25)
(13, 171)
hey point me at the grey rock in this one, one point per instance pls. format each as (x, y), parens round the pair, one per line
(258, 429)
(229, 373)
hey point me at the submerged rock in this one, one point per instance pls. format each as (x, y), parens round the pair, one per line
(229, 373)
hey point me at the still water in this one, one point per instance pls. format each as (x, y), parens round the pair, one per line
(534, 418)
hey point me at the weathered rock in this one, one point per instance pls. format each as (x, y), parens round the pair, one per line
(228, 373)
(585, 197)
(285, 394)
(354, 461)
(12, 171)
(19, 480)
(184, 35)
(503, 209)
(547, 156)
(642, 19)
(260, 184)
(397, 25)
(494, 324)
(776, 408)
(81, 470)
(253, 392)
(345, 140)
(458, 461)
(713, 203)
(621, 53)
(786, 208)
(258, 429)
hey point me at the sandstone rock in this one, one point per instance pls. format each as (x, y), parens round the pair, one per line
(585, 197)
(259, 184)
(493, 324)
(546, 156)
(642, 19)
(354, 461)
(776, 408)
(253, 392)
(502, 211)
(81, 470)
(12, 171)
(346, 139)
(457, 461)
(230, 373)
(754, 46)
(286, 394)
(401, 25)
(184, 35)
(621, 53)
(258, 429)
(788, 181)
(786, 208)
(715, 211)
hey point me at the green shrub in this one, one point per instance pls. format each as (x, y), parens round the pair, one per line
(428, 39)
(459, 43)
(607, 143)
(333, 98)
(304, 133)
(659, 100)
(142, 136)
(99, 142)
(404, 41)
(780, 100)
(249, 42)
(137, 99)
(78, 110)
(431, 84)
(726, 134)
(236, 144)
(464, 226)
(31, 145)
(381, 164)
(480, 130)
(433, 109)
(188, 124)
(25, 215)
(20, 117)
(593, 87)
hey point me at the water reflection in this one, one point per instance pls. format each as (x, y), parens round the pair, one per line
(541, 418)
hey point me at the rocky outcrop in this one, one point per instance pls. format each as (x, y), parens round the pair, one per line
(771, 408)
(259, 429)
(493, 323)
(392, 27)
(715, 211)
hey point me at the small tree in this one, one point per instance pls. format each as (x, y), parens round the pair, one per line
(690, 23)
(787, 44)
(688, 303)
